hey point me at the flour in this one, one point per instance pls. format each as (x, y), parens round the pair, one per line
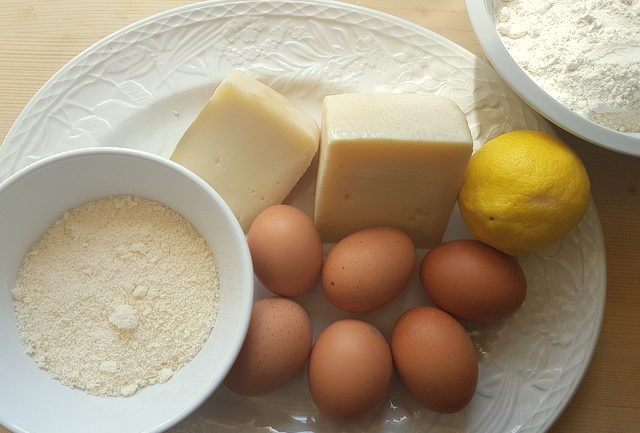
(118, 294)
(584, 53)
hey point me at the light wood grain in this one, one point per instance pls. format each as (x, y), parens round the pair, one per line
(37, 37)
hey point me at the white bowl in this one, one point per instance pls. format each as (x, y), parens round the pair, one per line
(481, 16)
(30, 201)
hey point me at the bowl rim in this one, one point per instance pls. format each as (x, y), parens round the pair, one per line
(242, 321)
(480, 15)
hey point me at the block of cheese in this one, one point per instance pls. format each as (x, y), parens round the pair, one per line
(390, 159)
(250, 143)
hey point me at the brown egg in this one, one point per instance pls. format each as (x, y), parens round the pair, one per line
(349, 369)
(286, 250)
(435, 359)
(275, 349)
(473, 281)
(368, 268)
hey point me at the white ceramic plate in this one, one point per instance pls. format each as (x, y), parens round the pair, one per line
(481, 15)
(141, 87)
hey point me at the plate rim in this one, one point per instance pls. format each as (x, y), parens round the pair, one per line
(203, 4)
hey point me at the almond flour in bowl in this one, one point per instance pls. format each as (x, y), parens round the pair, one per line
(585, 54)
(118, 294)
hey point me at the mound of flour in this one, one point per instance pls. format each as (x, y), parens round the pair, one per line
(118, 294)
(584, 53)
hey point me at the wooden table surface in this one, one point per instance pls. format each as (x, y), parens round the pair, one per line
(37, 37)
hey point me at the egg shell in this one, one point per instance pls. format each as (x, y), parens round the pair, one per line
(435, 359)
(473, 281)
(369, 268)
(275, 350)
(349, 369)
(286, 250)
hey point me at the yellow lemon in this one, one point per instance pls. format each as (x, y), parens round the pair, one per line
(523, 191)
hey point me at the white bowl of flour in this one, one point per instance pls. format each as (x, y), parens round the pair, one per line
(576, 63)
(137, 300)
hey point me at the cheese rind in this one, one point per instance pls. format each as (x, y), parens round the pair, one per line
(390, 159)
(250, 144)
